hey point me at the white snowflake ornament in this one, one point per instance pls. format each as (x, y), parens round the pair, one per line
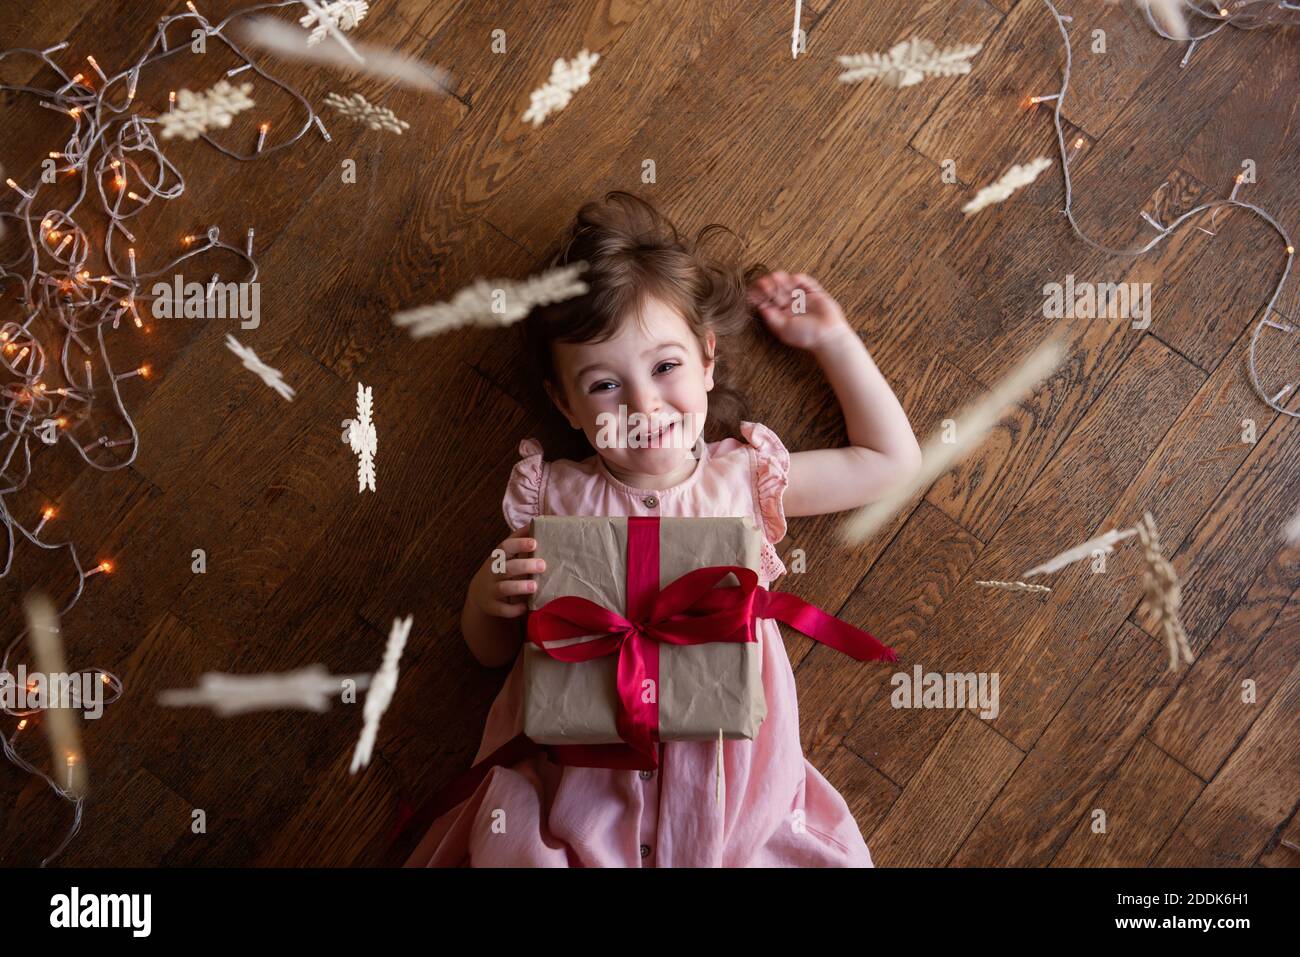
(566, 79)
(252, 363)
(357, 108)
(196, 113)
(907, 63)
(1010, 181)
(494, 302)
(342, 15)
(383, 685)
(362, 438)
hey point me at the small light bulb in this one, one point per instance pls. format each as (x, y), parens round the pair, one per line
(119, 181)
(22, 724)
(106, 567)
(145, 370)
(48, 513)
(1290, 250)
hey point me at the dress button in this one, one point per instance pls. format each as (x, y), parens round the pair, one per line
(647, 775)
(645, 850)
(650, 501)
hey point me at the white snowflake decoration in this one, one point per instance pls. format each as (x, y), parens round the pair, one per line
(566, 79)
(196, 113)
(494, 302)
(908, 63)
(382, 687)
(342, 15)
(1012, 180)
(270, 376)
(363, 439)
(307, 689)
(356, 107)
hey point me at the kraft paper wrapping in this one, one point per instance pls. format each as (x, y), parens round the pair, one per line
(703, 688)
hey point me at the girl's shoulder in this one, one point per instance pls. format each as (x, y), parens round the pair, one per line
(533, 479)
(757, 437)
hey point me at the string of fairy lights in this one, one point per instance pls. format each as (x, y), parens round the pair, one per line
(69, 313)
(1265, 320)
(1244, 15)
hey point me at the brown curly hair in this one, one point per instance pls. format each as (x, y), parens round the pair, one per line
(634, 252)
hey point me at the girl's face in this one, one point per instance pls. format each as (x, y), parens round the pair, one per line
(660, 379)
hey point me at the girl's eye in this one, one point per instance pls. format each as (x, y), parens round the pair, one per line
(670, 363)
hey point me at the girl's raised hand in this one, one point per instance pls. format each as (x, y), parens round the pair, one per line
(505, 594)
(797, 309)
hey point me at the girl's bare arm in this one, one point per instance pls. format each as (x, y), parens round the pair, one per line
(883, 448)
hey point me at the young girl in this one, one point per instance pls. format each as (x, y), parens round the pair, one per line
(644, 338)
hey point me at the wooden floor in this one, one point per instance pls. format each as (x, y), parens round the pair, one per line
(841, 181)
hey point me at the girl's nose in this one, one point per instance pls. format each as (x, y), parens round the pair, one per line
(645, 400)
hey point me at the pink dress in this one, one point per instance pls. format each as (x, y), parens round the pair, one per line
(778, 810)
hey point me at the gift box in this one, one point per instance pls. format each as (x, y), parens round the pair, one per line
(709, 663)
(628, 600)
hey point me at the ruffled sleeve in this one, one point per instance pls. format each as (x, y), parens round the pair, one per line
(771, 470)
(527, 486)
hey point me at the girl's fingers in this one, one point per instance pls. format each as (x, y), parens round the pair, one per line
(807, 282)
(525, 566)
(515, 586)
(514, 546)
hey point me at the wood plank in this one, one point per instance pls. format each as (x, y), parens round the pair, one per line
(1255, 792)
(1284, 850)
(1040, 644)
(1060, 777)
(1133, 813)
(895, 602)
(1235, 133)
(946, 797)
(868, 792)
(1239, 535)
(1207, 717)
